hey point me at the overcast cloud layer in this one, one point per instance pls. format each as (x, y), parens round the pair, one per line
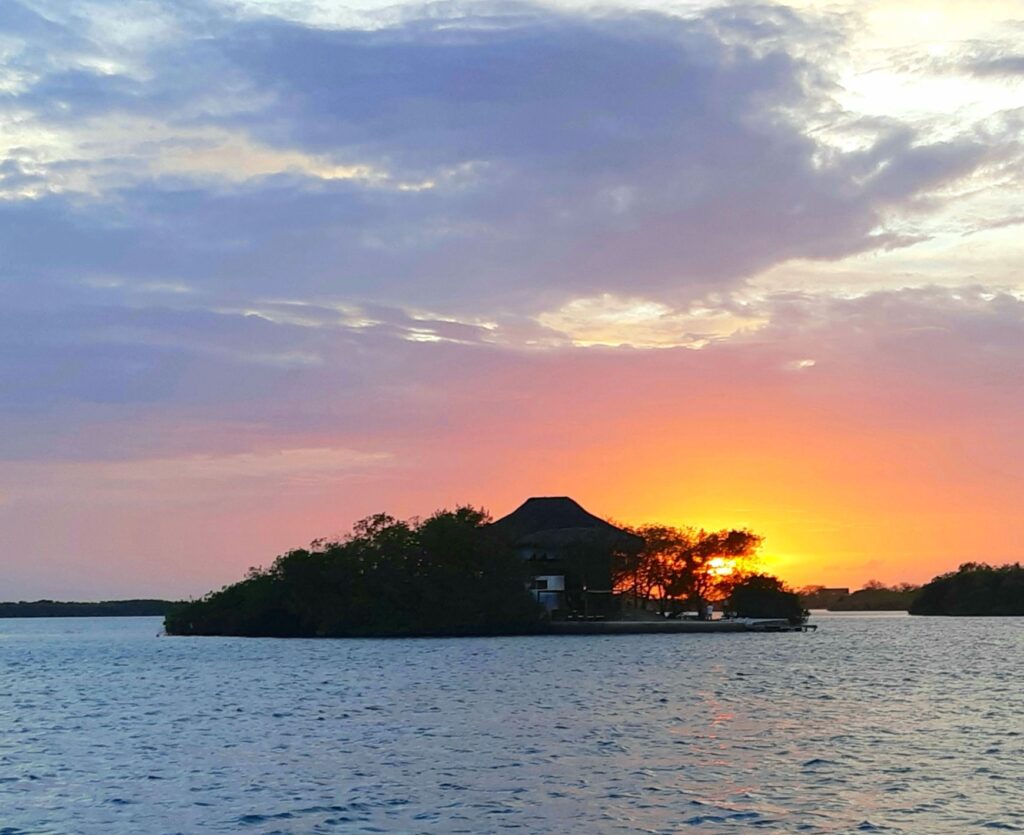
(358, 260)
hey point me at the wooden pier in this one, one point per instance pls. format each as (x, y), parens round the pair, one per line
(667, 626)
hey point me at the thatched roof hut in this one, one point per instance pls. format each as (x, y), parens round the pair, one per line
(558, 522)
(570, 552)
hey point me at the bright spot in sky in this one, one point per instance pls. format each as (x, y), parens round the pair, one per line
(721, 567)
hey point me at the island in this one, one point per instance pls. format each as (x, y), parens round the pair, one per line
(975, 589)
(550, 567)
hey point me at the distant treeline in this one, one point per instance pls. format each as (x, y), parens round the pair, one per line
(874, 597)
(103, 609)
(974, 589)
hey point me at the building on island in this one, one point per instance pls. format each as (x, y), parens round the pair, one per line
(570, 553)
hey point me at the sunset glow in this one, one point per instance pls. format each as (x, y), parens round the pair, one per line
(721, 567)
(271, 267)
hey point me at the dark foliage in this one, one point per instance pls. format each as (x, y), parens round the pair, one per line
(819, 597)
(877, 599)
(103, 609)
(675, 568)
(764, 596)
(974, 589)
(446, 575)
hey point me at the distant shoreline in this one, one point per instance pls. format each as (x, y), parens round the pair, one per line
(76, 609)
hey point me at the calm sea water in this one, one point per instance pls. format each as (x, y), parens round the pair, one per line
(877, 723)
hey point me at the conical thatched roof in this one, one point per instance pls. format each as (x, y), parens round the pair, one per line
(560, 521)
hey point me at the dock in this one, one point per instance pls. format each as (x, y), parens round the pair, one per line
(667, 626)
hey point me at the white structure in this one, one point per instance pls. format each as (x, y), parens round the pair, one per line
(547, 589)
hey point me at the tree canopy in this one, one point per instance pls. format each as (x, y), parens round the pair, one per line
(877, 597)
(680, 568)
(764, 596)
(973, 589)
(441, 576)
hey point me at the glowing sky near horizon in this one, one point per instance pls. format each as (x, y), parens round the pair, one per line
(268, 267)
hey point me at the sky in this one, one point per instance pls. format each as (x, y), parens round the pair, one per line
(269, 267)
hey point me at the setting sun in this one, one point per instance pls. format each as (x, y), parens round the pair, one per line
(721, 567)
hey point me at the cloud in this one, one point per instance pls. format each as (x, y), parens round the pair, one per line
(192, 478)
(1001, 65)
(492, 158)
(640, 323)
(114, 382)
(997, 57)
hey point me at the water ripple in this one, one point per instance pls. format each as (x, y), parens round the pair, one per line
(874, 724)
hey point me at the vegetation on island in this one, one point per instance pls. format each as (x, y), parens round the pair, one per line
(451, 574)
(874, 597)
(973, 589)
(877, 597)
(820, 597)
(682, 570)
(441, 576)
(74, 609)
(764, 596)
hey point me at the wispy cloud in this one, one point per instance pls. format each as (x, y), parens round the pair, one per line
(522, 154)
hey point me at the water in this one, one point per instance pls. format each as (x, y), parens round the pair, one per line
(876, 723)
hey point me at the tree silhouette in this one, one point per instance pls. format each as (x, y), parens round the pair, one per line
(973, 589)
(764, 596)
(676, 567)
(445, 575)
